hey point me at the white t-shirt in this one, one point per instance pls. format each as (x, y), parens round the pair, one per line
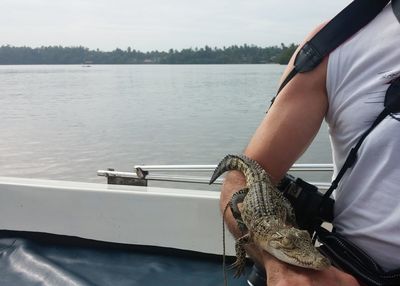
(367, 209)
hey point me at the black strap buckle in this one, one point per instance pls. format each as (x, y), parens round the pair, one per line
(307, 58)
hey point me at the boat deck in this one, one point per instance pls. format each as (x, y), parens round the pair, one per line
(44, 259)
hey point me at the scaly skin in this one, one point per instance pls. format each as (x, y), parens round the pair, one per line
(268, 218)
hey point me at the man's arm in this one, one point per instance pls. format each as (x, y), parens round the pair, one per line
(284, 134)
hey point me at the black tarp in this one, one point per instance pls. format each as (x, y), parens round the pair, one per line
(43, 259)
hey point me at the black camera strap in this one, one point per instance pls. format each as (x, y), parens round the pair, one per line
(391, 105)
(350, 20)
(349, 257)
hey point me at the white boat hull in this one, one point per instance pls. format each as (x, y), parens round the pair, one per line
(165, 217)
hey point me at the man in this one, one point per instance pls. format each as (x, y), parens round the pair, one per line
(347, 89)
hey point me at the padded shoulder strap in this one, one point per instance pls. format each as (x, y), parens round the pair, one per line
(350, 20)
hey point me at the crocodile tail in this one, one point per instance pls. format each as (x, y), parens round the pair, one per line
(250, 168)
(222, 167)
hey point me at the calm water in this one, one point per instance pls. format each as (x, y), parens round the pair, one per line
(66, 122)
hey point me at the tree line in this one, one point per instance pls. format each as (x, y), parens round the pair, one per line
(245, 54)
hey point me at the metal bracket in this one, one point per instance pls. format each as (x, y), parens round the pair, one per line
(116, 178)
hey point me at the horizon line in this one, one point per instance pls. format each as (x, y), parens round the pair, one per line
(153, 50)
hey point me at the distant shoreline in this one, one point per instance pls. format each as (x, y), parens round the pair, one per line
(54, 55)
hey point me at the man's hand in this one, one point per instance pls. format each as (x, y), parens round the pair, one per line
(282, 274)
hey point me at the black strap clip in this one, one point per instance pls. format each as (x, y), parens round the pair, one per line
(307, 58)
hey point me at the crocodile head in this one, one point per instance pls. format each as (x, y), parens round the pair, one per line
(292, 246)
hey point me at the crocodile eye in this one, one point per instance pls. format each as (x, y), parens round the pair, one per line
(276, 235)
(287, 243)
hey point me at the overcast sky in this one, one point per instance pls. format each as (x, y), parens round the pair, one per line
(160, 24)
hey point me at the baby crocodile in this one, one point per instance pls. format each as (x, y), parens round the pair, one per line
(267, 218)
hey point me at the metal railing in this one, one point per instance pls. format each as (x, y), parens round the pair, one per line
(173, 173)
(210, 168)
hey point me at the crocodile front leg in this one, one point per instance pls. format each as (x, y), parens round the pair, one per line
(237, 198)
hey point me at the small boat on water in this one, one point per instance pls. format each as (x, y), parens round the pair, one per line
(87, 64)
(125, 232)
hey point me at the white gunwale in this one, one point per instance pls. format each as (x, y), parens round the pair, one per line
(151, 216)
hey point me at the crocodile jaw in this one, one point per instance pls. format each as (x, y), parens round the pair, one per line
(294, 247)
